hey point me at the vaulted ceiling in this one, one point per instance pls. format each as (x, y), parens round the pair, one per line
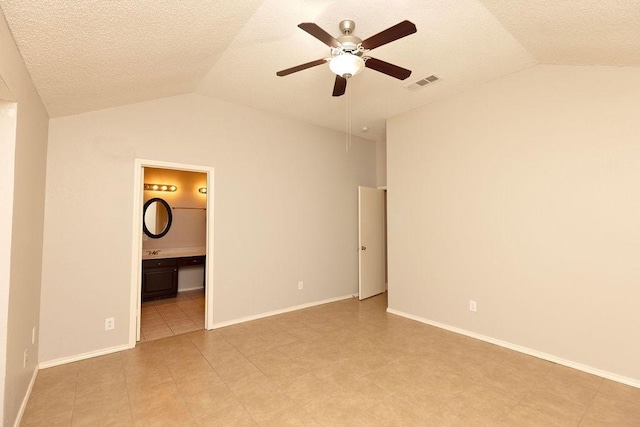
(85, 55)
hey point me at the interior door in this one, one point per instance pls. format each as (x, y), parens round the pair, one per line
(371, 241)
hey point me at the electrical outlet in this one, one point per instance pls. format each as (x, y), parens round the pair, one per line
(109, 324)
(33, 335)
(26, 358)
(473, 306)
(300, 285)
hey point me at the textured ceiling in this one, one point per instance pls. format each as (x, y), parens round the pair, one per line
(580, 32)
(459, 41)
(86, 55)
(90, 54)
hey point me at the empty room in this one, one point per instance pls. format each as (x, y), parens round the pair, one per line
(347, 213)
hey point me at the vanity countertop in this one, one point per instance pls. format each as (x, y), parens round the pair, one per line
(173, 252)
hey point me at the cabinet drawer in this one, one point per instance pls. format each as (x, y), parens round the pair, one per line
(192, 260)
(163, 262)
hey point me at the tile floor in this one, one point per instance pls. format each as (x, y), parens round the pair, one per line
(172, 316)
(347, 363)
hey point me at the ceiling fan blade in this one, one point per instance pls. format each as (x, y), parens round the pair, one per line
(320, 34)
(396, 32)
(387, 68)
(301, 67)
(340, 86)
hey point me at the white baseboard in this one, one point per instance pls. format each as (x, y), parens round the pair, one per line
(102, 352)
(551, 358)
(276, 312)
(23, 407)
(190, 289)
(83, 356)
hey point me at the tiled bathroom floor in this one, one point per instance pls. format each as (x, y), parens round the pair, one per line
(172, 316)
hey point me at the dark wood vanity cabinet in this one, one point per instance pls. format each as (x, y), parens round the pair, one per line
(159, 278)
(191, 260)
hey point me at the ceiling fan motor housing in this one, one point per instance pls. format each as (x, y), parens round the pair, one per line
(350, 44)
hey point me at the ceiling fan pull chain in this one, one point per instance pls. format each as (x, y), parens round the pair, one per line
(348, 119)
(346, 123)
(350, 89)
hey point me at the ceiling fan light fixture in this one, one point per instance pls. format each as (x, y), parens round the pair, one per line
(346, 65)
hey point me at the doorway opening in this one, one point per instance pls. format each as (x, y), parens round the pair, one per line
(372, 242)
(172, 271)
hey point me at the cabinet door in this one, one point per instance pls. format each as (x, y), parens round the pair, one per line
(159, 282)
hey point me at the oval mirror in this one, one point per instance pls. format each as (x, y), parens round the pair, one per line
(157, 218)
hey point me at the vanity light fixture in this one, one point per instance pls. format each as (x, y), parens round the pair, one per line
(160, 187)
(203, 190)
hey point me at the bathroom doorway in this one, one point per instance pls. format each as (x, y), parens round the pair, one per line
(172, 250)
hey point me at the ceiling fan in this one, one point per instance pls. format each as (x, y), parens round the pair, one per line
(349, 54)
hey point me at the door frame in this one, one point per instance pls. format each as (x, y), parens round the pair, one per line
(9, 109)
(136, 242)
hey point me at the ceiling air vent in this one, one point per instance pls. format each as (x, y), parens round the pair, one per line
(423, 82)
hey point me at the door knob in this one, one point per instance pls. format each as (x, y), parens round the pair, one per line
(364, 248)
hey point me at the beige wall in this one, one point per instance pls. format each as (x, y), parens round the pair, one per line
(188, 228)
(25, 193)
(523, 195)
(381, 163)
(285, 210)
(5, 93)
